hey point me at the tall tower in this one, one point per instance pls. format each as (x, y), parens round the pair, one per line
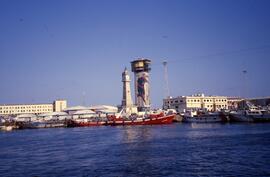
(167, 90)
(141, 68)
(127, 100)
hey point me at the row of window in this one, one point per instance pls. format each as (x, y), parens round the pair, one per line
(25, 107)
(219, 106)
(195, 101)
(176, 101)
(206, 100)
(221, 100)
(24, 111)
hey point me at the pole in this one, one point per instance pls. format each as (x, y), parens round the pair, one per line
(167, 90)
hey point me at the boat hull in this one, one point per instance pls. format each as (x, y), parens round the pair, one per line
(203, 119)
(240, 118)
(36, 125)
(86, 124)
(117, 122)
(149, 121)
(262, 118)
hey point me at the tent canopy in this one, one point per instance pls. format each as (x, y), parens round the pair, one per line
(82, 112)
(76, 108)
(53, 114)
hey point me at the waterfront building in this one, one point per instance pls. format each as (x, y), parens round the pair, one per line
(15, 109)
(198, 101)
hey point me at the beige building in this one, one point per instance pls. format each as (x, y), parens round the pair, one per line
(198, 101)
(15, 109)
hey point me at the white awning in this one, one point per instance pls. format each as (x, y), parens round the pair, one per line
(53, 114)
(76, 108)
(25, 116)
(83, 112)
(104, 108)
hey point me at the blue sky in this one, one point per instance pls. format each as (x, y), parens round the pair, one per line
(77, 49)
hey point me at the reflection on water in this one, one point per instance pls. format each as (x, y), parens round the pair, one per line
(137, 133)
(169, 150)
(205, 125)
(136, 149)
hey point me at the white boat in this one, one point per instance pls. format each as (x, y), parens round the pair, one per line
(202, 117)
(252, 115)
(25, 118)
(263, 116)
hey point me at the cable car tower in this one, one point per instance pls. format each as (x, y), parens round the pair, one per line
(166, 87)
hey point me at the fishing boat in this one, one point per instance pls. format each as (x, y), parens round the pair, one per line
(115, 120)
(202, 117)
(147, 119)
(251, 113)
(46, 120)
(86, 118)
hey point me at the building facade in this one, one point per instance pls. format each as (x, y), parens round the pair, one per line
(233, 103)
(198, 101)
(15, 109)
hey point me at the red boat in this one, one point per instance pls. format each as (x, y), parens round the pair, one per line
(151, 120)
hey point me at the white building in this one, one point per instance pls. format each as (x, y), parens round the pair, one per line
(198, 101)
(15, 109)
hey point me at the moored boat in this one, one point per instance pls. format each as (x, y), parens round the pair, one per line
(252, 115)
(86, 118)
(151, 119)
(41, 124)
(83, 119)
(203, 117)
(264, 116)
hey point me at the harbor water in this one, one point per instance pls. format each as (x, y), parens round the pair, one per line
(165, 150)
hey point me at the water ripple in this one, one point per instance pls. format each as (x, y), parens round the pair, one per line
(170, 150)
